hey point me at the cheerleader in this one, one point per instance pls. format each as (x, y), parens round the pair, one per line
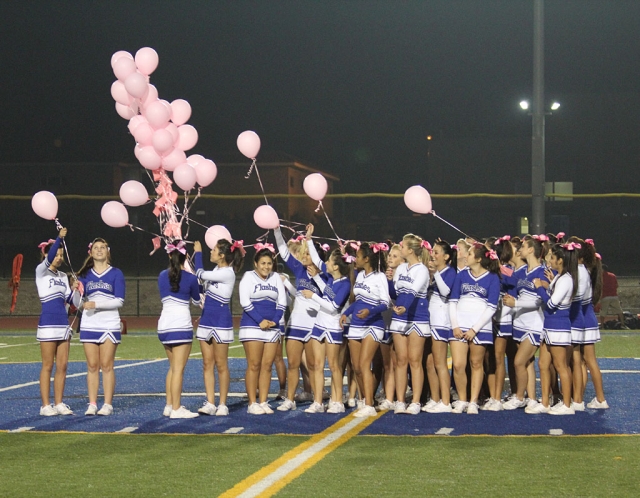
(327, 336)
(556, 334)
(104, 290)
(303, 315)
(54, 333)
(366, 330)
(473, 302)
(215, 329)
(410, 320)
(528, 320)
(442, 272)
(263, 300)
(175, 327)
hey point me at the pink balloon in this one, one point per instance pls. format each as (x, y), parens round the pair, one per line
(133, 193)
(249, 144)
(114, 214)
(173, 159)
(125, 111)
(194, 159)
(418, 199)
(188, 137)
(136, 85)
(206, 172)
(45, 205)
(143, 133)
(173, 129)
(214, 234)
(151, 96)
(315, 186)
(119, 93)
(136, 151)
(180, 111)
(118, 55)
(134, 122)
(185, 176)
(123, 67)
(266, 217)
(162, 141)
(157, 114)
(146, 60)
(149, 158)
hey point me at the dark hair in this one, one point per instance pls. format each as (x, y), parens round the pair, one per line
(234, 258)
(264, 252)
(377, 260)
(504, 250)
(516, 242)
(176, 260)
(569, 263)
(539, 250)
(588, 254)
(490, 241)
(449, 251)
(321, 252)
(44, 252)
(481, 252)
(88, 263)
(344, 267)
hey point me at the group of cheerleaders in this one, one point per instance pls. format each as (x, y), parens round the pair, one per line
(401, 307)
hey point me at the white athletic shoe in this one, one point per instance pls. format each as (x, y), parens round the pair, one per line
(400, 407)
(413, 409)
(315, 408)
(335, 407)
(487, 404)
(266, 408)
(530, 401)
(207, 408)
(367, 411)
(360, 404)
(48, 411)
(440, 408)
(63, 409)
(386, 405)
(91, 409)
(351, 402)
(562, 410)
(222, 411)
(182, 412)
(286, 405)
(513, 404)
(577, 407)
(167, 410)
(106, 410)
(430, 404)
(459, 406)
(255, 409)
(594, 403)
(472, 408)
(493, 406)
(537, 408)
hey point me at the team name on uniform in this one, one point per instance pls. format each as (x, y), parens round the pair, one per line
(405, 278)
(99, 285)
(523, 282)
(362, 286)
(474, 288)
(57, 281)
(265, 287)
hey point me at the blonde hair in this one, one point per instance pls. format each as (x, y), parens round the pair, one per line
(294, 247)
(413, 242)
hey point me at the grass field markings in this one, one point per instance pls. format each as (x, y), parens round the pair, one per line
(556, 432)
(444, 431)
(22, 429)
(80, 374)
(128, 430)
(195, 354)
(620, 371)
(275, 476)
(5, 358)
(2, 346)
(236, 346)
(233, 430)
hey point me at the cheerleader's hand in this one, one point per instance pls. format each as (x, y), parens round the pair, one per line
(469, 335)
(399, 310)
(313, 270)
(197, 246)
(389, 273)
(431, 266)
(309, 231)
(549, 274)
(509, 300)
(363, 313)
(89, 305)
(457, 333)
(343, 320)
(265, 324)
(63, 233)
(307, 294)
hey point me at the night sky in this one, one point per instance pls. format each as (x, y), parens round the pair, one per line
(352, 87)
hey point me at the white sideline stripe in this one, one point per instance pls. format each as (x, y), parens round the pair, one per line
(80, 374)
(22, 429)
(127, 430)
(445, 431)
(5, 358)
(299, 460)
(2, 346)
(194, 354)
(556, 432)
(186, 395)
(620, 371)
(233, 430)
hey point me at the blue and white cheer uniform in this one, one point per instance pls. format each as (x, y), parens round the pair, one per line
(261, 299)
(175, 325)
(107, 290)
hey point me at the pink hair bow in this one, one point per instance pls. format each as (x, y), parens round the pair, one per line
(572, 246)
(541, 238)
(379, 246)
(598, 256)
(354, 245)
(325, 247)
(589, 241)
(560, 235)
(454, 247)
(491, 254)
(502, 239)
(238, 244)
(348, 259)
(425, 245)
(180, 247)
(260, 246)
(300, 238)
(90, 246)
(42, 245)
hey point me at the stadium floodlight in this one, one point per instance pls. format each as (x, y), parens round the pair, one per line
(524, 105)
(555, 106)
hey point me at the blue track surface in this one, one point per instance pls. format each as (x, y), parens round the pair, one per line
(139, 402)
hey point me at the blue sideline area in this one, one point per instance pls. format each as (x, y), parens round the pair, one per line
(139, 403)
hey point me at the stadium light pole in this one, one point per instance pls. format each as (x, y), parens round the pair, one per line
(538, 117)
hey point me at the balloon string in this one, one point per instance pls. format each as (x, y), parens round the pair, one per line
(260, 181)
(329, 221)
(133, 227)
(452, 226)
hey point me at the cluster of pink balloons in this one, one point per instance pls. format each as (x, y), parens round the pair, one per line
(418, 199)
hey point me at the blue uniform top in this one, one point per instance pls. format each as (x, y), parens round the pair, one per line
(107, 290)
(371, 292)
(474, 300)
(412, 283)
(187, 289)
(557, 301)
(53, 290)
(221, 281)
(261, 299)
